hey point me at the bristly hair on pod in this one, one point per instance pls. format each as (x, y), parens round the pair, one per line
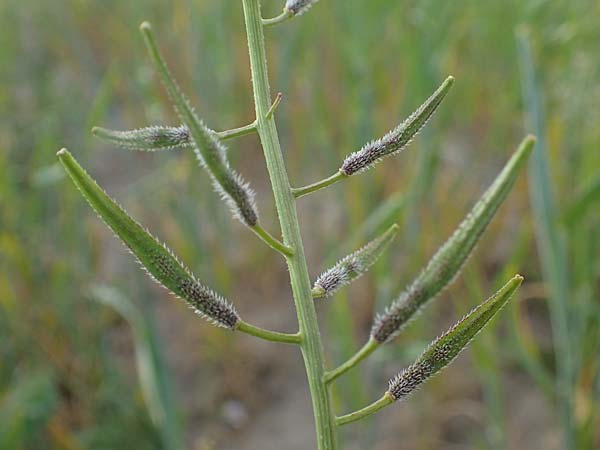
(446, 348)
(148, 139)
(353, 266)
(210, 152)
(397, 139)
(158, 260)
(298, 7)
(445, 265)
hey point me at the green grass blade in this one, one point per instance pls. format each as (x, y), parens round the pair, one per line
(584, 202)
(26, 409)
(447, 262)
(160, 262)
(550, 244)
(383, 216)
(150, 366)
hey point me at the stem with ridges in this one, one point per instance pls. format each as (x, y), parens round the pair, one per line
(311, 346)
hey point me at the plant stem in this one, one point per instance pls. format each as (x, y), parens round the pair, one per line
(274, 105)
(366, 411)
(273, 336)
(305, 190)
(251, 127)
(365, 351)
(271, 241)
(311, 346)
(285, 15)
(235, 132)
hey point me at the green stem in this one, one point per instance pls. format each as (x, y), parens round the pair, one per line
(251, 127)
(302, 191)
(273, 336)
(271, 241)
(235, 132)
(285, 15)
(365, 351)
(384, 401)
(274, 106)
(311, 346)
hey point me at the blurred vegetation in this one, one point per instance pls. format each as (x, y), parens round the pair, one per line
(350, 70)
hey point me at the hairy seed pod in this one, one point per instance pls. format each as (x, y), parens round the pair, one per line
(160, 262)
(397, 139)
(353, 266)
(211, 153)
(444, 349)
(449, 259)
(148, 139)
(298, 7)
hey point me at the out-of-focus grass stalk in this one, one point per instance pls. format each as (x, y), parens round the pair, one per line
(151, 369)
(584, 202)
(486, 362)
(523, 344)
(26, 408)
(550, 243)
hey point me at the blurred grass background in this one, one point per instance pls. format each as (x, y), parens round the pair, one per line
(349, 70)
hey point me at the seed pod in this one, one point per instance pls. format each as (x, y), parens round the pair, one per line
(147, 139)
(298, 7)
(211, 153)
(353, 266)
(394, 141)
(449, 259)
(444, 349)
(160, 262)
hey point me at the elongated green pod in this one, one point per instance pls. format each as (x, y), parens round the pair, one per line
(211, 153)
(160, 262)
(444, 349)
(447, 262)
(353, 266)
(390, 144)
(397, 139)
(148, 139)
